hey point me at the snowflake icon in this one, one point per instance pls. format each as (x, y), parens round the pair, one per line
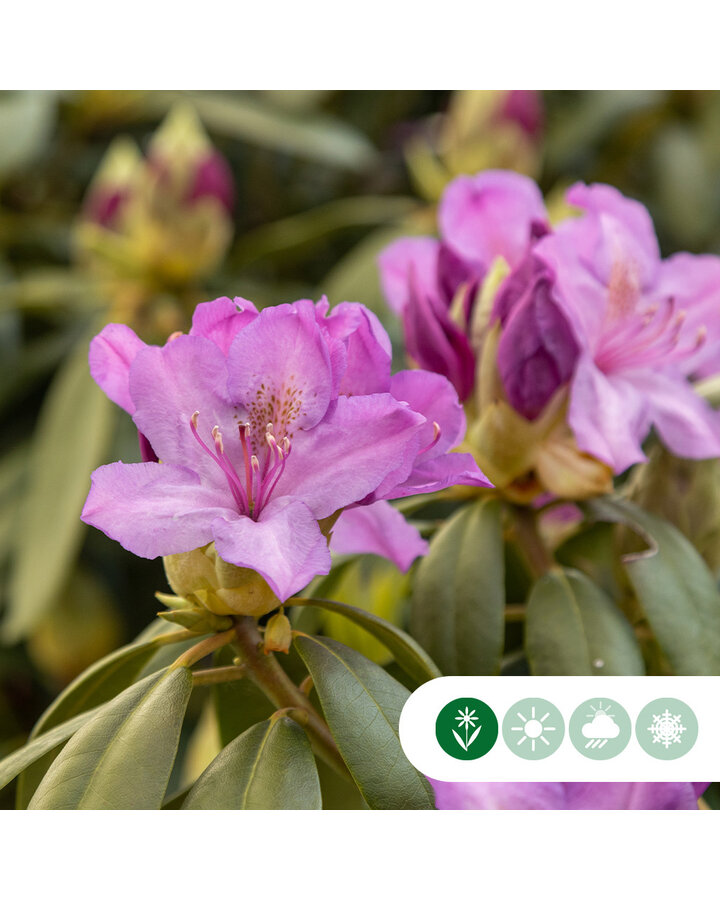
(667, 729)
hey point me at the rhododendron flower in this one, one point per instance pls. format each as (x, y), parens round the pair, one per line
(435, 285)
(589, 305)
(265, 423)
(637, 325)
(567, 795)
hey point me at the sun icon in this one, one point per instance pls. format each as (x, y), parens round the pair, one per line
(533, 728)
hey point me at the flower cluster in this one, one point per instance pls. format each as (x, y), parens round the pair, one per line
(570, 342)
(164, 218)
(259, 428)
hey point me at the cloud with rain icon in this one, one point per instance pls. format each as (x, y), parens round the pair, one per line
(601, 729)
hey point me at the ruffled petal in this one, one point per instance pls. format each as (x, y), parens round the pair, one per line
(615, 231)
(168, 384)
(153, 509)
(491, 215)
(687, 424)
(368, 349)
(279, 371)
(436, 475)
(498, 795)
(418, 255)
(112, 352)
(221, 320)
(608, 416)
(285, 545)
(435, 398)
(380, 529)
(344, 458)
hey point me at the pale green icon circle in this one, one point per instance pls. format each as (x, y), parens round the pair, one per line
(600, 728)
(666, 728)
(533, 728)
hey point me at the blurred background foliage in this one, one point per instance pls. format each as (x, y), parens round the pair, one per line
(135, 206)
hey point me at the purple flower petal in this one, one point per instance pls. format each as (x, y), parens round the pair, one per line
(435, 475)
(565, 795)
(111, 354)
(168, 384)
(279, 370)
(380, 529)
(285, 545)
(434, 397)
(435, 342)
(343, 459)
(490, 215)
(608, 417)
(153, 509)
(222, 319)
(413, 254)
(687, 424)
(615, 232)
(368, 349)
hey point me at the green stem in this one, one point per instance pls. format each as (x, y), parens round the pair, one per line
(531, 544)
(267, 673)
(220, 675)
(201, 650)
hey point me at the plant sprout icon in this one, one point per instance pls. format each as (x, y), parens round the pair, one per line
(602, 728)
(533, 729)
(468, 719)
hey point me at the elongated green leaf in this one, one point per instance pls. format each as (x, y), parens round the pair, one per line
(271, 766)
(675, 588)
(123, 757)
(338, 792)
(457, 610)
(573, 628)
(99, 683)
(312, 136)
(362, 705)
(16, 762)
(70, 439)
(407, 652)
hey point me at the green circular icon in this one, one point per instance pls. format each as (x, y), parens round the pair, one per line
(600, 728)
(533, 728)
(466, 728)
(666, 728)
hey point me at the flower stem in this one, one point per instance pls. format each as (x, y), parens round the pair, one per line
(533, 547)
(201, 650)
(267, 673)
(220, 675)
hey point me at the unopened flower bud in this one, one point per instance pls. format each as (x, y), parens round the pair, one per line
(278, 634)
(537, 350)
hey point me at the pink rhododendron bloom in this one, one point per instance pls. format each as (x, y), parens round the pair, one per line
(434, 286)
(639, 323)
(567, 795)
(264, 424)
(591, 305)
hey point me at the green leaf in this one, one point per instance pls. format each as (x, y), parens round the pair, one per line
(99, 683)
(338, 792)
(312, 136)
(573, 628)
(675, 588)
(17, 762)
(407, 652)
(271, 766)
(70, 439)
(123, 757)
(362, 705)
(458, 602)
